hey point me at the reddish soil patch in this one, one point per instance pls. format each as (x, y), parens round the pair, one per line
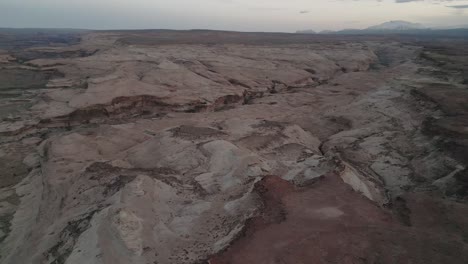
(329, 223)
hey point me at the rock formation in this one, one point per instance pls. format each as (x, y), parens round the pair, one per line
(194, 147)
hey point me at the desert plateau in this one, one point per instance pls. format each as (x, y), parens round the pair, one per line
(220, 147)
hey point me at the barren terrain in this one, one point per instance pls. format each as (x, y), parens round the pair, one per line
(222, 147)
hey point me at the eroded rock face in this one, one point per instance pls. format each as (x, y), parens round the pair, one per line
(130, 150)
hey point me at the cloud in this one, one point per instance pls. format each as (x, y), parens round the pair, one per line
(458, 6)
(432, 2)
(405, 1)
(304, 12)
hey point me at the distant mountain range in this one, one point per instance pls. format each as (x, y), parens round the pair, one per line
(398, 27)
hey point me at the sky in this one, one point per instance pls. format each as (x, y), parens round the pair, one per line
(239, 15)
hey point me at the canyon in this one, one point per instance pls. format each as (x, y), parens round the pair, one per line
(161, 146)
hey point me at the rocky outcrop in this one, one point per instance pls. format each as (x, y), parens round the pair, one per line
(139, 152)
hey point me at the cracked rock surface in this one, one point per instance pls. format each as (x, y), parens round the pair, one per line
(219, 147)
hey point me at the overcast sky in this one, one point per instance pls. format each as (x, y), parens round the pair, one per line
(243, 15)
